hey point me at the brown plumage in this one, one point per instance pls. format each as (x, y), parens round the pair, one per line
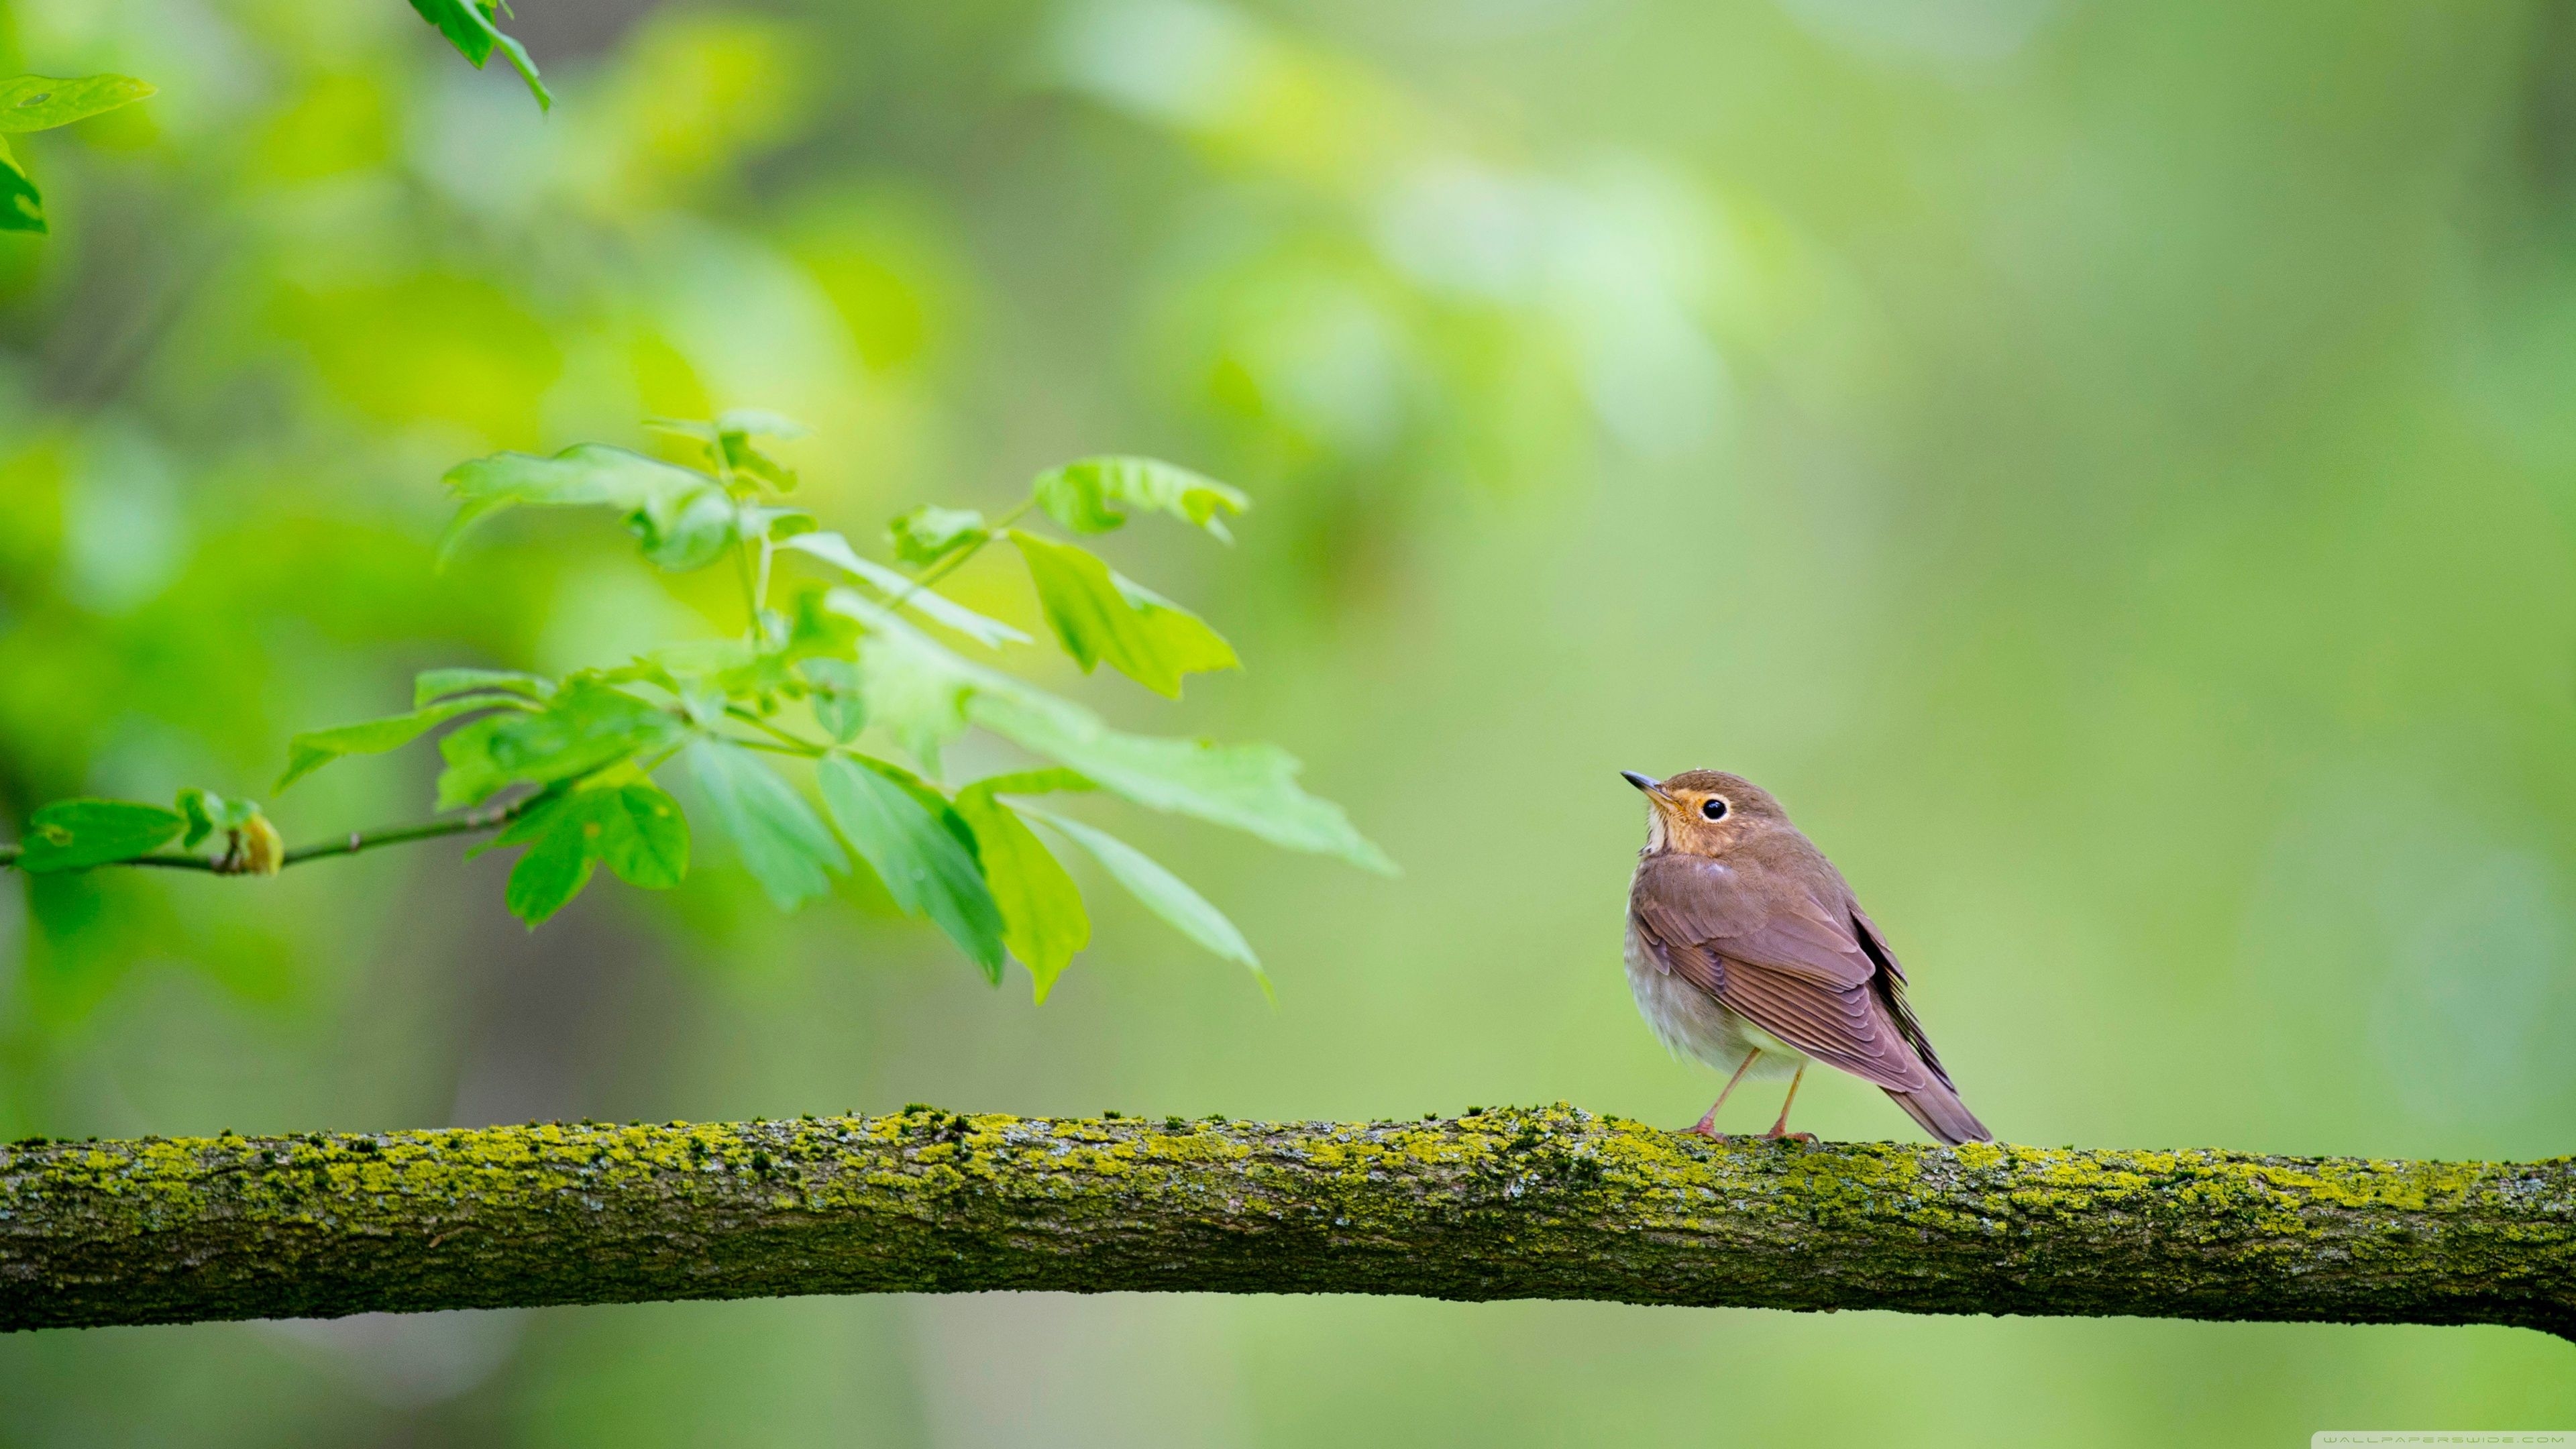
(1747, 951)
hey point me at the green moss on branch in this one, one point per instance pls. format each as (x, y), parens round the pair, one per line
(1542, 1203)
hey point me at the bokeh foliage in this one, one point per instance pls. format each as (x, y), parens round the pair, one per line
(2108, 469)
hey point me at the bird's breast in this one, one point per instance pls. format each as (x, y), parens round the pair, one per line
(1694, 1024)
(1690, 1022)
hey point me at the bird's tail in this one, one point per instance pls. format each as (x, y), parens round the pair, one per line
(1942, 1114)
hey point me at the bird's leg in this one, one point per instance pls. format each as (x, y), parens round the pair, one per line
(1708, 1124)
(1780, 1128)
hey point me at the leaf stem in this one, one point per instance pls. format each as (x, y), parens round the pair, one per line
(750, 591)
(658, 761)
(957, 560)
(753, 592)
(802, 744)
(799, 751)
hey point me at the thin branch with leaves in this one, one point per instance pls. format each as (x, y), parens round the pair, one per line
(838, 666)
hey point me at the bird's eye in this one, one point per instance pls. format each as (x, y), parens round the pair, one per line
(1713, 808)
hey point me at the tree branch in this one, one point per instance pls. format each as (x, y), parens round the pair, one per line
(1543, 1203)
(472, 822)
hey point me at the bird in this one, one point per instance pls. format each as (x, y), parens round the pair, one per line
(1748, 952)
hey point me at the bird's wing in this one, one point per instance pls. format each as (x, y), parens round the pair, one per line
(1783, 961)
(1693, 900)
(1890, 985)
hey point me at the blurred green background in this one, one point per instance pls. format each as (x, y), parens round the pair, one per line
(2110, 469)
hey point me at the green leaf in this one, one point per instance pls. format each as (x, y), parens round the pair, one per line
(742, 456)
(643, 837)
(815, 629)
(683, 518)
(1043, 922)
(926, 867)
(313, 749)
(197, 812)
(78, 834)
(556, 864)
(1252, 788)
(741, 422)
(586, 727)
(781, 843)
(1034, 782)
(692, 537)
(21, 209)
(728, 441)
(40, 103)
(1099, 614)
(778, 525)
(912, 691)
(914, 687)
(840, 706)
(1089, 495)
(432, 684)
(468, 26)
(929, 533)
(939, 609)
(635, 828)
(759, 423)
(927, 796)
(207, 812)
(1163, 893)
(704, 672)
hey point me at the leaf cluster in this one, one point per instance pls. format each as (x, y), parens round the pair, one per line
(812, 743)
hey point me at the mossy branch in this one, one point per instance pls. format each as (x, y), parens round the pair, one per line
(1544, 1203)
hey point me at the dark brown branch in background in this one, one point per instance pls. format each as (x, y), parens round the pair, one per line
(1551, 1203)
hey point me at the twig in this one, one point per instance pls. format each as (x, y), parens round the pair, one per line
(492, 818)
(803, 745)
(471, 822)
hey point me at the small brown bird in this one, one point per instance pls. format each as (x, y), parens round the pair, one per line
(1747, 951)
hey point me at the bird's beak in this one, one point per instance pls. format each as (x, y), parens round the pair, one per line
(1648, 783)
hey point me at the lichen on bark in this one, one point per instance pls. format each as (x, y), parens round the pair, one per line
(1520, 1203)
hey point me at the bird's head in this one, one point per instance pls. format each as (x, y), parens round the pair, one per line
(1703, 812)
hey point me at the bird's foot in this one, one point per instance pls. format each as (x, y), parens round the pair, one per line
(1703, 1129)
(1776, 1135)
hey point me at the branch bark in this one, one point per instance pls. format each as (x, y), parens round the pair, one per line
(1540, 1203)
